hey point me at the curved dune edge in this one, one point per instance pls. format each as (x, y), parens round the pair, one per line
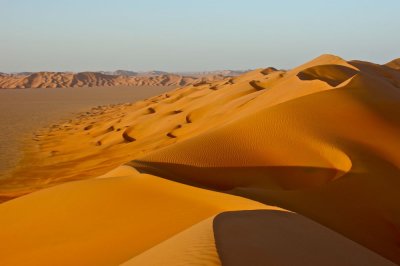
(331, 74)
(328, 151)
(104, 221)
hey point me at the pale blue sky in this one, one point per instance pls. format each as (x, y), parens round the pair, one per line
(190, 35)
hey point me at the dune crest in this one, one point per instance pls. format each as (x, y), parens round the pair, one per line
(395, 64)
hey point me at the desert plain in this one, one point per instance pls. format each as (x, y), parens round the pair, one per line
(23, 112)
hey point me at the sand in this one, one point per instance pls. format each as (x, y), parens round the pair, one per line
(22, 112)
(264, 237)
(104, 221)
(312, 152)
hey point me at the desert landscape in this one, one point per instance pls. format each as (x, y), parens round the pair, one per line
(199, 133)
(270, 167)
(46, 105)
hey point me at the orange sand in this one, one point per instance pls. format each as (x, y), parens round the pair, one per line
(320, 140)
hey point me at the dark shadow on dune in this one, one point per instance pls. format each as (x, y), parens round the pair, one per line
(255, 85)
(271, 237)
(228, 178)
(331, 74)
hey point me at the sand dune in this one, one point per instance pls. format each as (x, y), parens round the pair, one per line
(96, 79)
(395, 64)
(104, 221)
(135, 219)
(257, 237)
(307, 154)
(320, 140)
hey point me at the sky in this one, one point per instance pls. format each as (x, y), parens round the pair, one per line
(192, 35)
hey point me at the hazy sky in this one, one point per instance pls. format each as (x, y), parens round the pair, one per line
(192, 35)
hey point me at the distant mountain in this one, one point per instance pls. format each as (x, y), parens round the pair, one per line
(133, 73)
(22, 73)
(227, 73)
(154, 73)
(125, 73)
(120, 73)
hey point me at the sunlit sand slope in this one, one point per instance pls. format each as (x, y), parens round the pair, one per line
(194, 246)
(105, 221)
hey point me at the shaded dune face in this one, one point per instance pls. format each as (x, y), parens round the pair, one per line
(229, 178)
(321, 140)
(264, 237)
(331, 74)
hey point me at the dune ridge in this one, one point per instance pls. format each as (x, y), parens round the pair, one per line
(96, 79)
(320, 140)
(395, 64)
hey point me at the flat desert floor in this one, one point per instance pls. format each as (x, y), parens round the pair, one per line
(22, 111)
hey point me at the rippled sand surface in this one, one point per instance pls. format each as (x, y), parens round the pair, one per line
(25, 110)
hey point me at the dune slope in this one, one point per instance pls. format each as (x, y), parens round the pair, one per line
(331, 150)
(268, 237)
(104, 221)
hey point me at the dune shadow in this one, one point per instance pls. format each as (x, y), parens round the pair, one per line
(272, 237)
(228, 178)
(331, 74)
